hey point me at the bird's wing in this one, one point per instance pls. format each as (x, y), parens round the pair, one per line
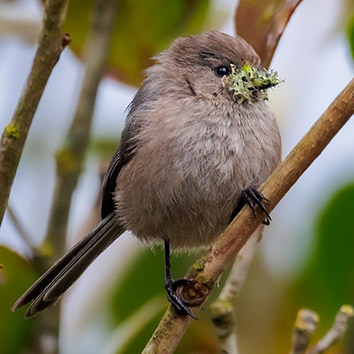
(123, 155)
(125, 151)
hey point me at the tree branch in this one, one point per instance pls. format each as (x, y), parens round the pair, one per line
(305, 325)
(223, 308)
(207, 270)
(51, 43)
(340, 325)
(71, 156)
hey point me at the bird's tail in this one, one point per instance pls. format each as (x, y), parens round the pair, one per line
(46, 291)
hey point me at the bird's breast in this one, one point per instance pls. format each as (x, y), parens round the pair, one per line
(184, 183)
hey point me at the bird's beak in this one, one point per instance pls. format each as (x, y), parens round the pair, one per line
(247, 82)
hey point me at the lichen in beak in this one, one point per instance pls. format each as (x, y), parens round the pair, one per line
(248, 82)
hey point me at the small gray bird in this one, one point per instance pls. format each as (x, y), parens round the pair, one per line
(198, 142)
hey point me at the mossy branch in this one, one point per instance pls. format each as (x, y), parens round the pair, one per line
(305, 326)
(172, 326)
(51, 44)
(340, 325)
(70, 157)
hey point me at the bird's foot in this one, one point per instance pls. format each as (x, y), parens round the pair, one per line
(171, 287)
(252, 197)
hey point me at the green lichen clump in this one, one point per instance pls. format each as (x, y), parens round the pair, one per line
(12, 131)
(198, 266)
(248, 82)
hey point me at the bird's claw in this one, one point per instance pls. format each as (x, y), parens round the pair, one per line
(251, 197)
(171, 286)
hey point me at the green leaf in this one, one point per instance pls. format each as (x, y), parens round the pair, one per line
(143, 28)
(126, 333)
(350, 34)
(145, 280)
(253, 20)
(15, 277)
(329, 281)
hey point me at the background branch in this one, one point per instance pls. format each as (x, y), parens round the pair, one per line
(207, 270)
(336, 332)
(223, 308)
(22, 231)
(70, 157)
(51, 43)
(305, 325)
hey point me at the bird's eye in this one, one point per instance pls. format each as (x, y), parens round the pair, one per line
(222, 71)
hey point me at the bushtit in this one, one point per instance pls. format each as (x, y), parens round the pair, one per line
(198, 142)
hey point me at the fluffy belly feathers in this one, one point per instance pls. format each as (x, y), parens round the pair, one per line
(190, 199)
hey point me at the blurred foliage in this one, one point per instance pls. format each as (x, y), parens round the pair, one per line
(143, 281)
(253, 20)
(348, 21)
(103, 148)
(350, 34)
(268, 306)
(143, 29)
(15, 276)
(329, 280)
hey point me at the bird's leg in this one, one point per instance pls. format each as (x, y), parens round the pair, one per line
(251, 196)
(172, 285)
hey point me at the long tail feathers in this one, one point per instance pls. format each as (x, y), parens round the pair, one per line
(47, 290)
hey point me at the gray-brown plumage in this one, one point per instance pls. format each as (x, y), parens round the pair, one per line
(189, 150)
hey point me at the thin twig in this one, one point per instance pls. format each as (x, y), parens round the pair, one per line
(207, 270)
(305, 325)
(23, 233)
(51, 43)
(71, 156)
(337, 331)
(223, 308)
